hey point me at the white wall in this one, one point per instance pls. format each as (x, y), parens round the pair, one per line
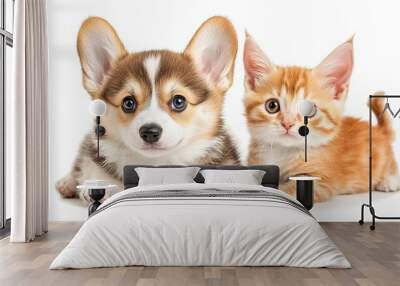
(290, 32)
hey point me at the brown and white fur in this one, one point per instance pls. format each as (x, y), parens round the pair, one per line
(338, 145)
(201, 74)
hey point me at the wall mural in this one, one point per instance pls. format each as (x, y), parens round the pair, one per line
(338, 144)
(165, 107)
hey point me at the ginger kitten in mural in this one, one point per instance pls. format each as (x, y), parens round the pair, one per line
(163, 107)
(338, 145)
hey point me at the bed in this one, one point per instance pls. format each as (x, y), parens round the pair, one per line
(198, 224)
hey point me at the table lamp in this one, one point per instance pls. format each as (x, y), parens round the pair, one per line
(307, 109)
(97, 188)
(98, 108)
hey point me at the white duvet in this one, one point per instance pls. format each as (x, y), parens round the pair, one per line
(190, 230)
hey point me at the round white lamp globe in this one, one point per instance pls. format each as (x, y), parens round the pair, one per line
(97, 107)
(307, 108)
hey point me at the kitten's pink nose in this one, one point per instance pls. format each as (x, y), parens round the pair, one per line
(287, 125)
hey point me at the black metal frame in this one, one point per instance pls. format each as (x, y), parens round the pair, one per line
(6, 39)
(370, 204)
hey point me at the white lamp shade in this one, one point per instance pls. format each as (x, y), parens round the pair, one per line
(307, 108)
(97, 107)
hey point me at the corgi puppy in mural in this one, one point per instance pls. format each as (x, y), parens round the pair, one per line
(338, 145)
(163, 107)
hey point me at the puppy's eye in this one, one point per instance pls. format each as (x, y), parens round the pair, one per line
(272, 106)
(178, 103)
(129, 104)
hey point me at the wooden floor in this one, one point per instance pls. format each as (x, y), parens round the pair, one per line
(375, 257)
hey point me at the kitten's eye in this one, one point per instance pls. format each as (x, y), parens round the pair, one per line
(129, 104)
(272, 106)
(178, 103)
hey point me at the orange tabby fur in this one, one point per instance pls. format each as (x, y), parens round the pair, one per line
(342, 164)
(338, 145)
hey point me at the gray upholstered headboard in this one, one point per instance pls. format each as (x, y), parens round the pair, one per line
(270, 179)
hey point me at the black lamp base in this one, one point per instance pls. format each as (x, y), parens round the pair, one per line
(303, 130)
(100, 131)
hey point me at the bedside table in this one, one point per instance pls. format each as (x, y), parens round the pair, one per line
(97, 190)
(305, 190)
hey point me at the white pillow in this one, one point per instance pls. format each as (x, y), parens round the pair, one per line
(246, 177)
(166, 176)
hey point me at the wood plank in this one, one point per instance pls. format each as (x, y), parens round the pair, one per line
(375, 257)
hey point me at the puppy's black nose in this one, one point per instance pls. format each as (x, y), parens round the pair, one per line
(150, 133)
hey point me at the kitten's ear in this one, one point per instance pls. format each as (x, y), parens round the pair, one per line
(213, 49)
(335, 70)
(256, 63)
(99, 47)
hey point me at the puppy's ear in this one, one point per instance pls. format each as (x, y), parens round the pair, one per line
(213, 49)
(256, 64)
(99, 47)
(335, 70)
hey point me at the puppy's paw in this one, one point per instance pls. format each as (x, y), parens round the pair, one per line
(67, 187)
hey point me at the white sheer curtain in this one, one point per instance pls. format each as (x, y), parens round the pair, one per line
(26, 119)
